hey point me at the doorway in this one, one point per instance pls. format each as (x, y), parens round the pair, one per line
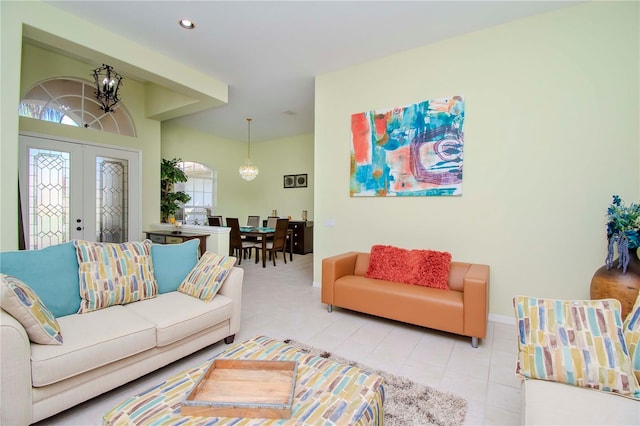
(74, 190)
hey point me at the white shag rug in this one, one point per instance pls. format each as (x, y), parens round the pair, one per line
(407, 403)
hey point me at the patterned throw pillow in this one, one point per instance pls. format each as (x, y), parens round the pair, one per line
(206, 278)
(632, 336)
(24, 305)
(114, 273)
(578, 342)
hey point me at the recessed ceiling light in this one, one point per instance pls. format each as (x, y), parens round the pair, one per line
(187, 24)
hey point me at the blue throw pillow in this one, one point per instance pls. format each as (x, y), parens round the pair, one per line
(172, 263)
(52, 273)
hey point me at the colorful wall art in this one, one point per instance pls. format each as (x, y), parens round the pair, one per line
(415, 150)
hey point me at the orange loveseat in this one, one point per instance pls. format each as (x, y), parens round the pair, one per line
(463, 309)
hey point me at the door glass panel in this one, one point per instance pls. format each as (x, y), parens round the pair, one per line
(111, 195)
(48, 193)
(77, 191)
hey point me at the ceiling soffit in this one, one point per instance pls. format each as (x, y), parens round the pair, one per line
(166, 97)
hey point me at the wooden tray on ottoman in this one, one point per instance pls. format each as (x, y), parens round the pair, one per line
(243, 388)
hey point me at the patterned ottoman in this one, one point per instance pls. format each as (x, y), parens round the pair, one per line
(326, 393)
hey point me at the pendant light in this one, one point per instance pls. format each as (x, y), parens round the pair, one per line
(107, 83)
(248, 171)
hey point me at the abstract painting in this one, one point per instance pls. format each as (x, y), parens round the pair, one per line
(414, 150)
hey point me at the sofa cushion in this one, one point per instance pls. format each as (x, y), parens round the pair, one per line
(177, 315)
(578, 342)
(24, 305)
(632, 336)
(429, 307)
(206, 278)
(428, 268)
(114, 273)
(91, 340)
(51, 272)
(172, 263)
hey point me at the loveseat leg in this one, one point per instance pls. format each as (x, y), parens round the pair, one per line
(474, 342)
(329, 308)
(229, 339)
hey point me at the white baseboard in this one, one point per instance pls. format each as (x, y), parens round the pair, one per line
(502, 319)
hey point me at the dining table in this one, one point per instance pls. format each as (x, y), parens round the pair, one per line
(263, 233)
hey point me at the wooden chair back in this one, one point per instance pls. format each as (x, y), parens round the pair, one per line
(272, 221)
(280, 235)
(253, 221)
(235, 239)
(215, 220)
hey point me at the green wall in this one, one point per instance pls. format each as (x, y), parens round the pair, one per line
(40, 64)
(551, 132)
(25, 64)
(274, 158)
(10, 53)
(62, 32)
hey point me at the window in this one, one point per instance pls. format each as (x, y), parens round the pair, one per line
(201, 187)
(71, 101)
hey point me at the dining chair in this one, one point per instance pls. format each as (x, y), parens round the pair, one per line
(253, 221)
(278, 243)
(271, 221)
(215, 220)
(236, 243)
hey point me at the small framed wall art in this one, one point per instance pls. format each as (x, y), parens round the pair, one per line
(301, 181)
(289, 181)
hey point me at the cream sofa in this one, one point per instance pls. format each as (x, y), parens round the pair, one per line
(575, 359)
(551, 403)
(463, 309)
(106, 348)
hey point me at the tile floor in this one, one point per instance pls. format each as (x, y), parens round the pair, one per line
(281, 302)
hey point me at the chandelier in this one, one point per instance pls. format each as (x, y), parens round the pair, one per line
(107, 83)
(248, 171)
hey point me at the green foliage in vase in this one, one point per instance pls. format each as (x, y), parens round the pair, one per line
(170, 201)
(622, 229)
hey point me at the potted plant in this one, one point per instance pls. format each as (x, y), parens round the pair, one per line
(170, 201)
(622, 229)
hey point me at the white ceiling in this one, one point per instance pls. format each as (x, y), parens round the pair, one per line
(268, 52)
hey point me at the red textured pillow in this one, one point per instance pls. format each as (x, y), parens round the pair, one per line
(431, 268)
(387, 263)
(420, 267)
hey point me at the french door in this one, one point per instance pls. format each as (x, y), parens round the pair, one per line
(72, 190)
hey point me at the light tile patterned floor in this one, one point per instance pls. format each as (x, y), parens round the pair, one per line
(281, 302)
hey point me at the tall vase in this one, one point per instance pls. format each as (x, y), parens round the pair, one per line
(614, 284)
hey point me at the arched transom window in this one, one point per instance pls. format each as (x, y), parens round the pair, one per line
(72, 102)
(201, 187)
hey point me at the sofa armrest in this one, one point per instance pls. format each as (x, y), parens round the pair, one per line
(333, 268)
(476, 300)
(16, 399)
(232, 288)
